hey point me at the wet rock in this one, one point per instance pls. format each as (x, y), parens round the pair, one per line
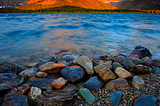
(147, 62)
(67, 58)
(136, 61)
(141, 69)
(128, 64)
(115, 98)
(41, 74)
(23, 79)
(117, 83)
(110, 59)
(115, 65)
(103, 57)
(20, 90)
(156, 63)
(73, 73)
(52, 59)
(86, 63)
(106, 74)
(142, 52)
(131, 56)
(157, 72)
(51, 67)
(16, 69)
(29, 72)
(5, 66)
(34, 93)
(120, 59)
(122, 73)
(101, 66)
(59, 83)
(62, 97)
(15, 100)
(147, 100)
(31, 65)
(93, 84)
(138, 82)
(86, 94)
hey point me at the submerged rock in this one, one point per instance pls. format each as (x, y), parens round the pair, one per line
(86, 63)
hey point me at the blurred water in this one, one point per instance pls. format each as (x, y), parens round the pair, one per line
(31, 36)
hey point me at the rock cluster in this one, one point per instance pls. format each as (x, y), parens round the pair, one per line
(53, 83)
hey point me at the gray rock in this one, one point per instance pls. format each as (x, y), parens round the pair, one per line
(115, 98)
(120, 59)
(147, 62)
(5, 66)
(15, 100)
(122, 73)
(29, 72)
(115, 65)
(138, 82)
(67, 58)
(128, 64)
(101, 66)
(136, 61)
(148, 100)
(41, 74)
(34, 93)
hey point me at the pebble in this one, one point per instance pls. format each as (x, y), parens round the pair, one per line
(34, 93)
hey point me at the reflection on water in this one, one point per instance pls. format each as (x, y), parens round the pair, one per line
(27, 37)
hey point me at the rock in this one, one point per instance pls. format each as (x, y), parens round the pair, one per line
(86, 63)
(153, 82)
(59, 83)
(122, 73)
(128, 64)
(51, 67)
(22, 90)
(138, 82)
(90, 57)
(34, 93)
(62, 97)
(120, 59)
(41, 74)
(52, 59)
(67, 58)
(117, 83)
(106, 74)
(101, 66)
(93, 84)
(156, 63)
(115, 65)
(16, 69)
(86, 95)
(73, 73)
(15, 100)
(7, 81)
(43, 83)
(115, 98)
(147, 100)
(157, 72)
(23, 79)
(131, 56)
(103, 57)
(141, 69)
(136, 61)
(147, 62)
(110, 59)
(31, 65)
(29, 72)
(5, 66)
(142, 52)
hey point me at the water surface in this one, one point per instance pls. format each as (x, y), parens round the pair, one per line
(31, 36)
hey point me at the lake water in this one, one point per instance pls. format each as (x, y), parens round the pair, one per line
(26, 37)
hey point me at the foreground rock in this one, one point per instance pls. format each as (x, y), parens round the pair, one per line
(41, 74)
(141, 69)
(147, 62)
(51, 67)
(115, 65)
(138, 82)
(86, 63)
(15, 100)
(101, 66)
(59, 83)
(122, 73)
(148, 100)
(128, 64)
(115, 98)
(93, 84)
(5, 66)
(29, 72)
(34, 93)
(117, 83)
(73, 73)
(86, 94)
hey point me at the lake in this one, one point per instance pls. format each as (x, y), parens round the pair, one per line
(27, 37)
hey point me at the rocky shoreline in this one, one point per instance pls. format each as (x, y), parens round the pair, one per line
(83, 80)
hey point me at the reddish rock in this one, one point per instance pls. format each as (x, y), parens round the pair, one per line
(147, 62)
(131, 56)
(51, 67)
(59, 83)
(89, 56)
(117, 83)
(120, 59)
(5, 66)
(103, 57)
(141, 69)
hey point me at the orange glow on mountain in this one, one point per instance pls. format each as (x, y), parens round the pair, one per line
(89, 4)
(108, 1)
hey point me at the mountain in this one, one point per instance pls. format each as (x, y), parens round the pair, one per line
(137, 4)
(12, 3)
(89, 4)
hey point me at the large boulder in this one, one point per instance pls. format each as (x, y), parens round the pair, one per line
(15, 100)
(51, 67)
(86, 63)
(73, 73)
(141, 52)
